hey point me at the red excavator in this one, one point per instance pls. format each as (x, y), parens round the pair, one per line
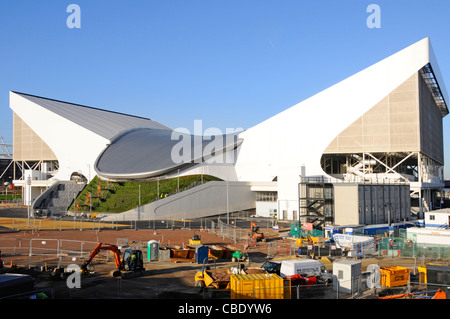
(131, 263)
(255, 234)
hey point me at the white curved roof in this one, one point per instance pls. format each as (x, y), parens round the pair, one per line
(102, 122)
(299, 135)
(75, 133)
(145, 153)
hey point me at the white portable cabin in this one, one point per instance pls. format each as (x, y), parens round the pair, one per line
(345, 275)
(438, 218)
(429, 235)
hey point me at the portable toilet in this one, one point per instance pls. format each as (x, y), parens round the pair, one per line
(201, 254)
(152, 250)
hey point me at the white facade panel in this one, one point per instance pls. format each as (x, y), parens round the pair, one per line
(434, 238)
(266, 209)
(75, 147)
(280, 145)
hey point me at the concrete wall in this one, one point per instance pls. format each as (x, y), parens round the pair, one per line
(431, 127)
(266, 209)
(346, 204)
(201, 201)
(27, 145)
(371, 203)
(392, 125)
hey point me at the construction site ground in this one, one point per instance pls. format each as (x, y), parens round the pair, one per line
(170, 279)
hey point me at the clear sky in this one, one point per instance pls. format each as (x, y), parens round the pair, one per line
(229, 63)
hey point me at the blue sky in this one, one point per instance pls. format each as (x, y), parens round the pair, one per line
(230, 63)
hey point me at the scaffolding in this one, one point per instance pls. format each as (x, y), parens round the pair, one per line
(316, 201)
(424, 174)
(6, 158)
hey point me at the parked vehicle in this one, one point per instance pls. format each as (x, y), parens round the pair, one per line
(301, 270)
(255, 233)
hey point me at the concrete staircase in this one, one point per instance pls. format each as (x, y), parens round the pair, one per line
(57, 199)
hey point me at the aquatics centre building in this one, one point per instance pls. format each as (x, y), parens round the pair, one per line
(367, 150)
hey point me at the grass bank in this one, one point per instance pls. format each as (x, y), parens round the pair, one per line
(117, 197)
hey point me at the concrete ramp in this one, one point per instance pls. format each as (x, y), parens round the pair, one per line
(202, 201)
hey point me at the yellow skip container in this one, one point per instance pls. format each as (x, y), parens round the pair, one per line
(394, 276)
(259, 286)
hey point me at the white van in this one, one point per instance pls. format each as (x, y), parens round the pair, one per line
(304, 267)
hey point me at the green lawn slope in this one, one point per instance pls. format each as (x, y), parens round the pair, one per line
(117, 197)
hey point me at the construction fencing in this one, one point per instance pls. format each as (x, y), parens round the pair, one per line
(149, 290)
(359, 287)
(235, 227)
(36, 251)
(290, 248)
(398, 246)
(62, 252)
(84, 223)
(228, 231)
(59, 223)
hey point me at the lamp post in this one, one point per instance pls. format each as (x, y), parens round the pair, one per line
(228, 212)
(139, 208)
(28, 199)
(6, 189)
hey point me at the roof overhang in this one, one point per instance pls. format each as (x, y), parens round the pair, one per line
(145, 153)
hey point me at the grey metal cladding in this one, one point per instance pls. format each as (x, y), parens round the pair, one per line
(102, 122)
(147, 153)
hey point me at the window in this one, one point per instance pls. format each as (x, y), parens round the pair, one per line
(432, 217)
(266, 196)
(328, 193)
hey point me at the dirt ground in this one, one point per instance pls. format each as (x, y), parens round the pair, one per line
(165, 236)
(173, 279)
(162, 279)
